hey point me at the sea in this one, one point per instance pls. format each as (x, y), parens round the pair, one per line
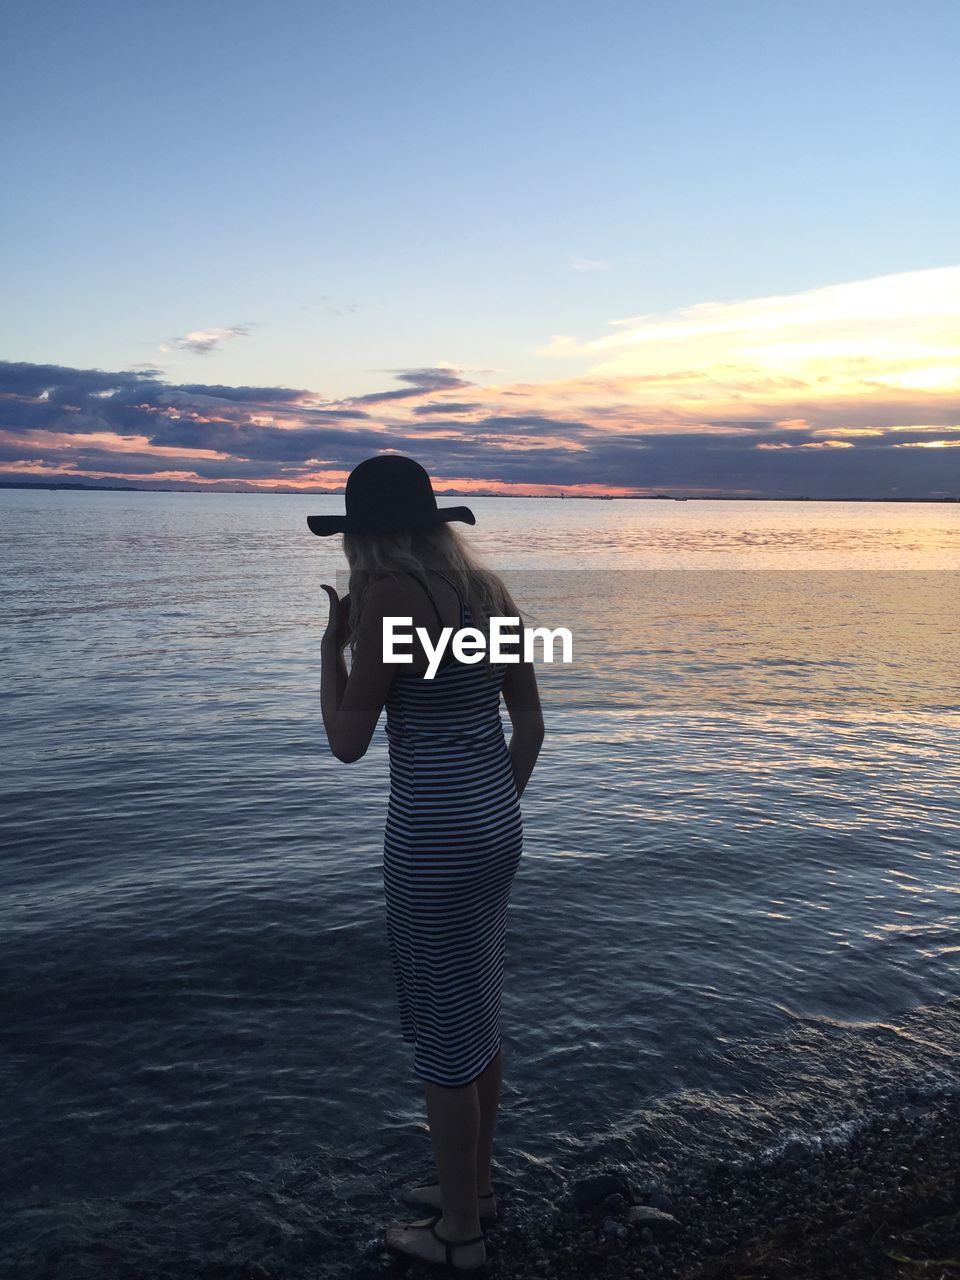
(736, 920)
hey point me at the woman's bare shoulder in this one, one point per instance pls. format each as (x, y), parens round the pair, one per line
(380, 596)
(395, 595)
(388, 590)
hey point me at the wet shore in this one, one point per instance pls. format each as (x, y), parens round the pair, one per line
(884, 1202)
(877, 1202)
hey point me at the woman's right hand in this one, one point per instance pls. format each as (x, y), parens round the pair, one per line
(338, 623)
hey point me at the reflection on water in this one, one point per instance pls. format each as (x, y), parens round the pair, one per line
(736, 915)
(697, 639)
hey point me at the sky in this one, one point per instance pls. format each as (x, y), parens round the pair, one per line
(541, 246)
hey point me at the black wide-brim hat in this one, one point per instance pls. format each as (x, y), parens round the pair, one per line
(388, 494)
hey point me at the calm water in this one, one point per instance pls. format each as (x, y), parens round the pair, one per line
(736, 918)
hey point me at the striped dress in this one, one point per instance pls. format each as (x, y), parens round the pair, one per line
(452, 845)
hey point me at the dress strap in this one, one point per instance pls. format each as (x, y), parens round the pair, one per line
(458, 595)
(429, 595)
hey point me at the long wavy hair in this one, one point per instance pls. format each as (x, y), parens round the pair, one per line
(412, 552)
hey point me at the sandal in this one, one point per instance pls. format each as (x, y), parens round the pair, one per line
(483, 1269)
(408, 1194)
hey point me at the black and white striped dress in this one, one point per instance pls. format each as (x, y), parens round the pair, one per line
(452, 845)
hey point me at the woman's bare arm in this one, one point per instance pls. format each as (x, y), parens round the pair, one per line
(522, 697)
(351, 704)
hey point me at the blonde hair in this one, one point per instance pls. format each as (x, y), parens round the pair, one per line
(414, 551)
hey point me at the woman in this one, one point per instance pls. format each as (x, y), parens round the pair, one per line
(454, 832)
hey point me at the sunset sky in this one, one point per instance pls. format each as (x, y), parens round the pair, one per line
(607, 248)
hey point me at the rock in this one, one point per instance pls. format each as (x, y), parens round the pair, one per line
(647, 1216)
(615, 1203)
(590, 1192)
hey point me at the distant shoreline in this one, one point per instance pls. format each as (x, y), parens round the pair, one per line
(453, 493)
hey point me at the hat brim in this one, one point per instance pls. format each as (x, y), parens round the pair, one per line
(323, 526)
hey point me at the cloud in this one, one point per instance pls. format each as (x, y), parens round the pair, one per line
(422, 380)
(449, 407)
(323, 301)
(871, 338)
(589, 264)
(850, 391)
(204, 342)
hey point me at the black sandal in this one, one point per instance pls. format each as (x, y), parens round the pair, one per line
(482, 1270)
(486, 1219)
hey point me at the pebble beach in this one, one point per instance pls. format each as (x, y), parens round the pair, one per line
(878, 1203)
(884, 1203)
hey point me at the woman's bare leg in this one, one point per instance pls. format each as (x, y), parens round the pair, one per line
(488, 1093)
(487, 1089)
(454, 1118)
